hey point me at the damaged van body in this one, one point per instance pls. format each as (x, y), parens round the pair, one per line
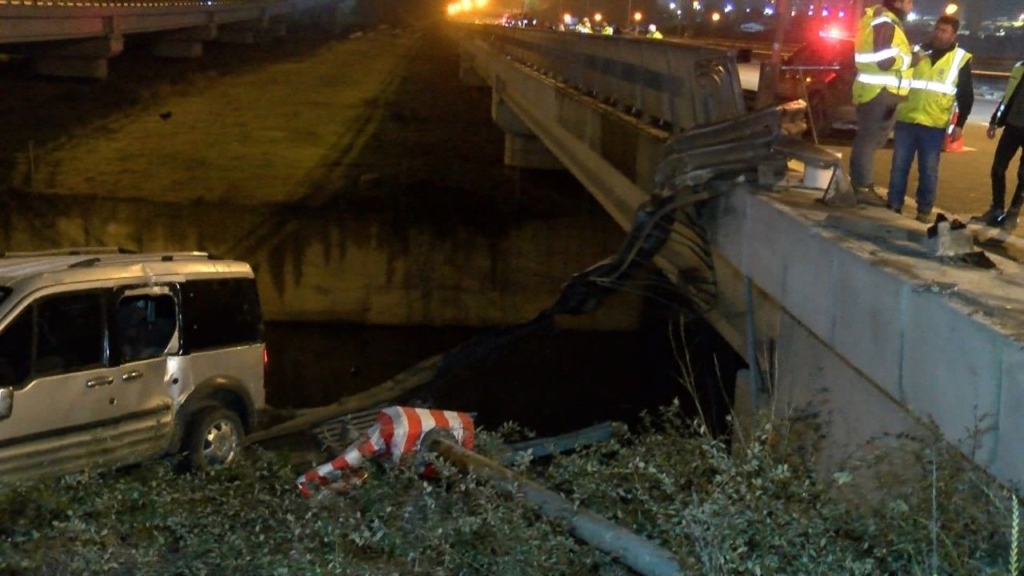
(110, 358)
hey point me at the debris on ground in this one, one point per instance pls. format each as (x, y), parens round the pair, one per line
(398, 433)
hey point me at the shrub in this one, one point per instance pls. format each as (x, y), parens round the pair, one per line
(749, 509)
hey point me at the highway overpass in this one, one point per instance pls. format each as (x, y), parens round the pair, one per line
(848, 315)
(76, 39)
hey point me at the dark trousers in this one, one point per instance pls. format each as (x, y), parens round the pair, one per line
(1010, 142)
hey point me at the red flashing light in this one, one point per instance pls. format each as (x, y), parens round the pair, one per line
(833, 32)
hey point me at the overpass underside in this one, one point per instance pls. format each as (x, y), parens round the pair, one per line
(79, 40)
(844, 314)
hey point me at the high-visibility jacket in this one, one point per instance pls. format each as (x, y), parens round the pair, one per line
(999, 116)
(607, 30)
(870, 78)
(399, 430)
(654, 34)
(933, 90)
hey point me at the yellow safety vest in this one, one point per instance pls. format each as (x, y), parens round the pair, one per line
(654, 34)
(870, 78)
(1011, 85)
(933, 90)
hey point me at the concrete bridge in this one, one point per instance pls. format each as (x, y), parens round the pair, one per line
(76, 39)
(847, 314)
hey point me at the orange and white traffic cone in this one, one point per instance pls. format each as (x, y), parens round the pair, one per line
(948, 145)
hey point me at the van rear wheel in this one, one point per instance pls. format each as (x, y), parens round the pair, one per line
(214, 438)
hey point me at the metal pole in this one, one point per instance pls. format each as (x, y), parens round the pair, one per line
(629, 548)
(768, 81)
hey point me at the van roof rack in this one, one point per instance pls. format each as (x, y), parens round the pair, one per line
(83, 251)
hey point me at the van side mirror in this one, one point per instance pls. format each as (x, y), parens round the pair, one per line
(6, 402)
(744, 55)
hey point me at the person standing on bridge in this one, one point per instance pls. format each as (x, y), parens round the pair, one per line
(1009, 116)
(941, 81)
(652, 32)
(883, 58)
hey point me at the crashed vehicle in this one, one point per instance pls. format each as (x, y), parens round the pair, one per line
(110, 358)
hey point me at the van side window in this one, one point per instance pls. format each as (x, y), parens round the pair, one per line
(219, 314)
(70, 333)
(146, 325)
(16, 350)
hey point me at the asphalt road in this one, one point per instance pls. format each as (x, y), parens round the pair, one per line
(964, 182)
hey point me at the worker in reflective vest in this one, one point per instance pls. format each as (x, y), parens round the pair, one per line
(883, 58)
(398, 432)
(941, 83)
(1009, 116)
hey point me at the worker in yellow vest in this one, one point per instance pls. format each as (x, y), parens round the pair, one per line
(1009, 116)
(941, 83)
(884, 60)
(652, 32)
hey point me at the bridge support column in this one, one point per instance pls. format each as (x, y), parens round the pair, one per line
(522, 147)
(250, 32)
(79, 58)
(186, 43)
(237, 36)
(345, 14)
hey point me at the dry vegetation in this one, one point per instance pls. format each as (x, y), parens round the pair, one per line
(756, 509)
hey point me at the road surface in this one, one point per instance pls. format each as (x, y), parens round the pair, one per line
(964, 181)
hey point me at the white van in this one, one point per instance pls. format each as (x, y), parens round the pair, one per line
(110, 358)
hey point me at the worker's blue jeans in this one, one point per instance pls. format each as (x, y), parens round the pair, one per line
(926, 143)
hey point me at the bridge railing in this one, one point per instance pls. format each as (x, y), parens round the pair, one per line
(682, 86)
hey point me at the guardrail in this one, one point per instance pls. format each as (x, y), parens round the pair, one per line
(681, 85)
(764, 50)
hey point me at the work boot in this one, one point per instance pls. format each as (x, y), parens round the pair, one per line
(1013, 214)
(867, 196)
(924, 217)
(994, 217)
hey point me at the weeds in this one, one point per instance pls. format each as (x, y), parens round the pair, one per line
(720, 509)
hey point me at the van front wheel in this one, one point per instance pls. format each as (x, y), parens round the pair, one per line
(214, 439)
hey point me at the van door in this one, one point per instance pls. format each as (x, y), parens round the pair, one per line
(65, 414)
(145, 337)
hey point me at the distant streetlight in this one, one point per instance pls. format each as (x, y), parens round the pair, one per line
(567, 18)
(715, 16)
(638, 17)
(597, 17)
(671, 5)
(951, 8)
